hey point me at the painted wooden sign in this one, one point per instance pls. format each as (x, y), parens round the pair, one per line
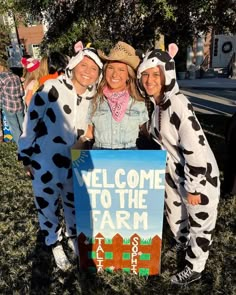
(119, 200)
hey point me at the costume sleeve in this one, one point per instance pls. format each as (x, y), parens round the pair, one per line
(194, 148)
(33, 126)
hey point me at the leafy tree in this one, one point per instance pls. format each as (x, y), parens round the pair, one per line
(5, 40)
(139, 23)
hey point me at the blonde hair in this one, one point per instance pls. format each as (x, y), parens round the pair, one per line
(31, 76)
(131, 86)
(3, 68)
(43, 68)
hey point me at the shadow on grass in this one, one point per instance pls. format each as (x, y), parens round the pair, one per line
(42, 267)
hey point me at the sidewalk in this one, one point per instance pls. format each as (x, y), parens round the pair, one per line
(208, 83)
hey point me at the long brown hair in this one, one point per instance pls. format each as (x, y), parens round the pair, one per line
(131, 86)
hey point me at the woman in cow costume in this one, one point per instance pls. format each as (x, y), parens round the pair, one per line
(55, 117)
(192, 175)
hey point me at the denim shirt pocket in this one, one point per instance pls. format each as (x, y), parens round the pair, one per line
(130, 126)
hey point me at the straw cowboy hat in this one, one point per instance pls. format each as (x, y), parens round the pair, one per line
(121, 52)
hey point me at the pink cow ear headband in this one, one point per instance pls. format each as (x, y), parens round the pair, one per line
(172, 50)
(79, 46)
(80, 52)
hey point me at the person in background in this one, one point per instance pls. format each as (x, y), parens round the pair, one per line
(49, 131)
(52, 66)
(24, 71)
(1, 126)
(229, 183)
(192, 175)
(31, 81)
(118, 111)
(11, 100)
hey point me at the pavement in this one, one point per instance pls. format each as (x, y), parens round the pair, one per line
(208, 83)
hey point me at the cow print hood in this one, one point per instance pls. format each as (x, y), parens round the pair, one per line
(81, 52)
(164, 59)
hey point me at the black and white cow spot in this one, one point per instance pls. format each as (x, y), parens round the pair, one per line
(37, 149)
(180, 221)
(177, 204)
(183, 239)
(203, 182)
(202, 215)
(67, 109)
(38, 101)
(175, 120)
(70, 87)
(59, 139)
(204, 200)
(33, 115)
(69, 174)
(60, 185)
(61, 161)
(28, 152)
(170, 86)
(79, 99)
(69, 205)
(42, 203)
(201, 140)
(53, 94)
(48, 190)
(193, 223)
(167, 208)
(46, 177)
(190, 252)
(212, 180)
(41, 129)
(208, 232)
(195, 171)
(70, 197)
(48, 224)
(35, 165)
(170, 181)
(195, 124)
(184, 230)
(203, 243)
(166, 105)
(186, 152)
(179, 170)
(190, 107)
(51, 115)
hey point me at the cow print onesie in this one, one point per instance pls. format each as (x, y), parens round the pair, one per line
(191, 165)
(49, 131)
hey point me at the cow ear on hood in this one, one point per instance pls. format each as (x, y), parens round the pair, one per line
(78, 46)
(172, 49)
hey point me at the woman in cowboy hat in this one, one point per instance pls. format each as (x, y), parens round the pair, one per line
(117, 111)
(56, 112)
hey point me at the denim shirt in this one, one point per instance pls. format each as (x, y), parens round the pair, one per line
(111, 134)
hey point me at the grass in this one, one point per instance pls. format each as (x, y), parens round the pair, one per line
(27, 266)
